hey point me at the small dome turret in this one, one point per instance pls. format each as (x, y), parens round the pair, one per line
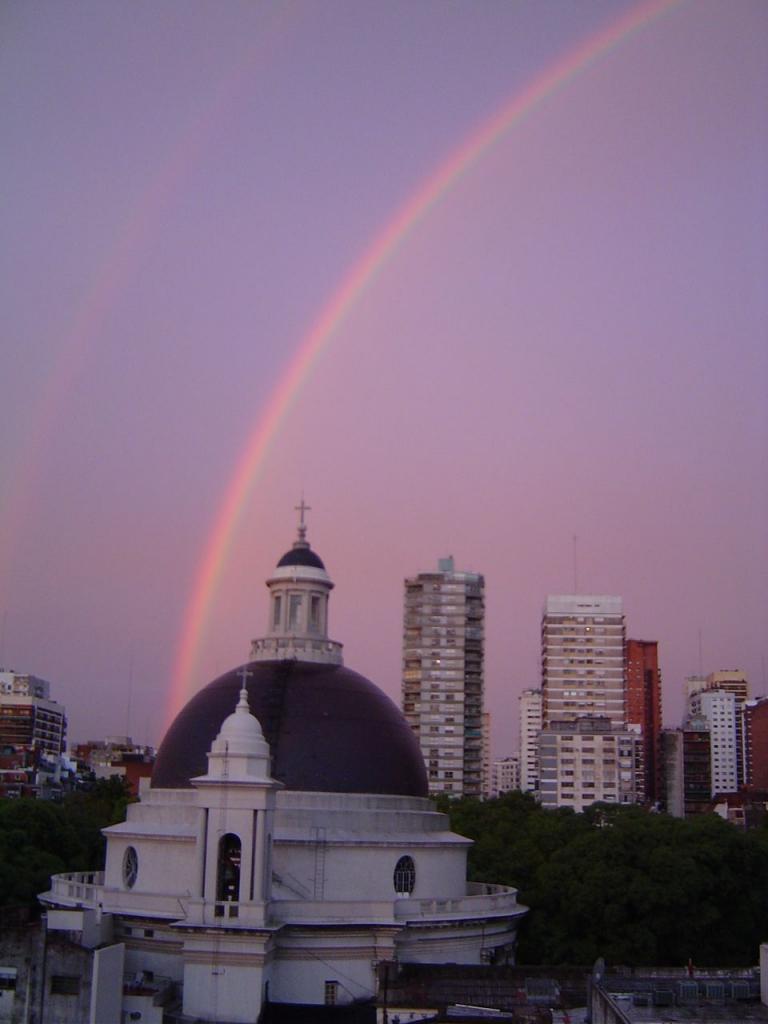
(240, 752)
(240, 732)
(297, 626)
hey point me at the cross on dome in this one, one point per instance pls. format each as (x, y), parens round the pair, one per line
(301, 508)
(243, 702)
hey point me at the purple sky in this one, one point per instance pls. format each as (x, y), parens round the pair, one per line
(572, 342)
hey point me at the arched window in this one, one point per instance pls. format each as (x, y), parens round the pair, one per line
(405, 875)
(228, 872)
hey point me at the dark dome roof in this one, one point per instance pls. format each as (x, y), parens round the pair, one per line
(329, 730)
(301, 556)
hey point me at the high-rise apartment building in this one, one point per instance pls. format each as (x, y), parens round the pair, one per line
(728, 681)
(720, 711)
(584, 704)
(643, 710)
(530, 727)
(756, 741)
(735, 681)
(697, 766)
(582, 658)
(687, 769)
(443, 653)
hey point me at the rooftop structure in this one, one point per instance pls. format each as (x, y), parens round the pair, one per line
(664, 996)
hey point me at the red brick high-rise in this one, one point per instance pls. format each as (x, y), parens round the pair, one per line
(756, 736)
(643, 708)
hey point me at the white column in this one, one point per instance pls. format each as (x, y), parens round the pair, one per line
(258, 858)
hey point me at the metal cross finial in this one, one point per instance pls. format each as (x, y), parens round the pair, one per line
(301, 509)
(244, 673)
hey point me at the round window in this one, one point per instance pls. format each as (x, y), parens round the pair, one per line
(405, 875)
(130, 867)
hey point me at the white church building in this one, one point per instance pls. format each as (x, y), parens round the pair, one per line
(285, 847)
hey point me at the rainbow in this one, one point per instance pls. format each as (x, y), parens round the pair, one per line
(353, 287)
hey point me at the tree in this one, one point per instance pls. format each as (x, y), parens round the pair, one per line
(39, 838)
(618, 882)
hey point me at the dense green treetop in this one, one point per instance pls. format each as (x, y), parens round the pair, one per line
(619, 882)
(39, 838)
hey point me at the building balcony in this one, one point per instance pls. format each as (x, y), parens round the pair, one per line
(76, 887)
(85, 890)
(305, 648)
(481, 900)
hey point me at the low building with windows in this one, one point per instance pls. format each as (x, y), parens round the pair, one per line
(586, 760)
(29, 719)
(286, 845)
(506, 775)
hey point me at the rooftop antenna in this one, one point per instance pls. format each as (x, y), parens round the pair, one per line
(2, 638)
(701, 657)
(575, 565)
(130, 689)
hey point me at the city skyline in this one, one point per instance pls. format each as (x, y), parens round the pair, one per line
(568, 339)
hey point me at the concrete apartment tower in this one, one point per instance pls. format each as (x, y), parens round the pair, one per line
(720, 711)
(582, 658)
(530, 727)
(727, 682)
(585, 751)
(687, 769)
(443, 653)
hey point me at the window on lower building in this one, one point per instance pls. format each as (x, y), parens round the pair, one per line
(331, 992)
(65, 985)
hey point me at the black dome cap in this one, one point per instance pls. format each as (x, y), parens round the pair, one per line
(303, 555)
(329, 730)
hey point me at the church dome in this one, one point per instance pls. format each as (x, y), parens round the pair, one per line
(328, 728)
(301, 555)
